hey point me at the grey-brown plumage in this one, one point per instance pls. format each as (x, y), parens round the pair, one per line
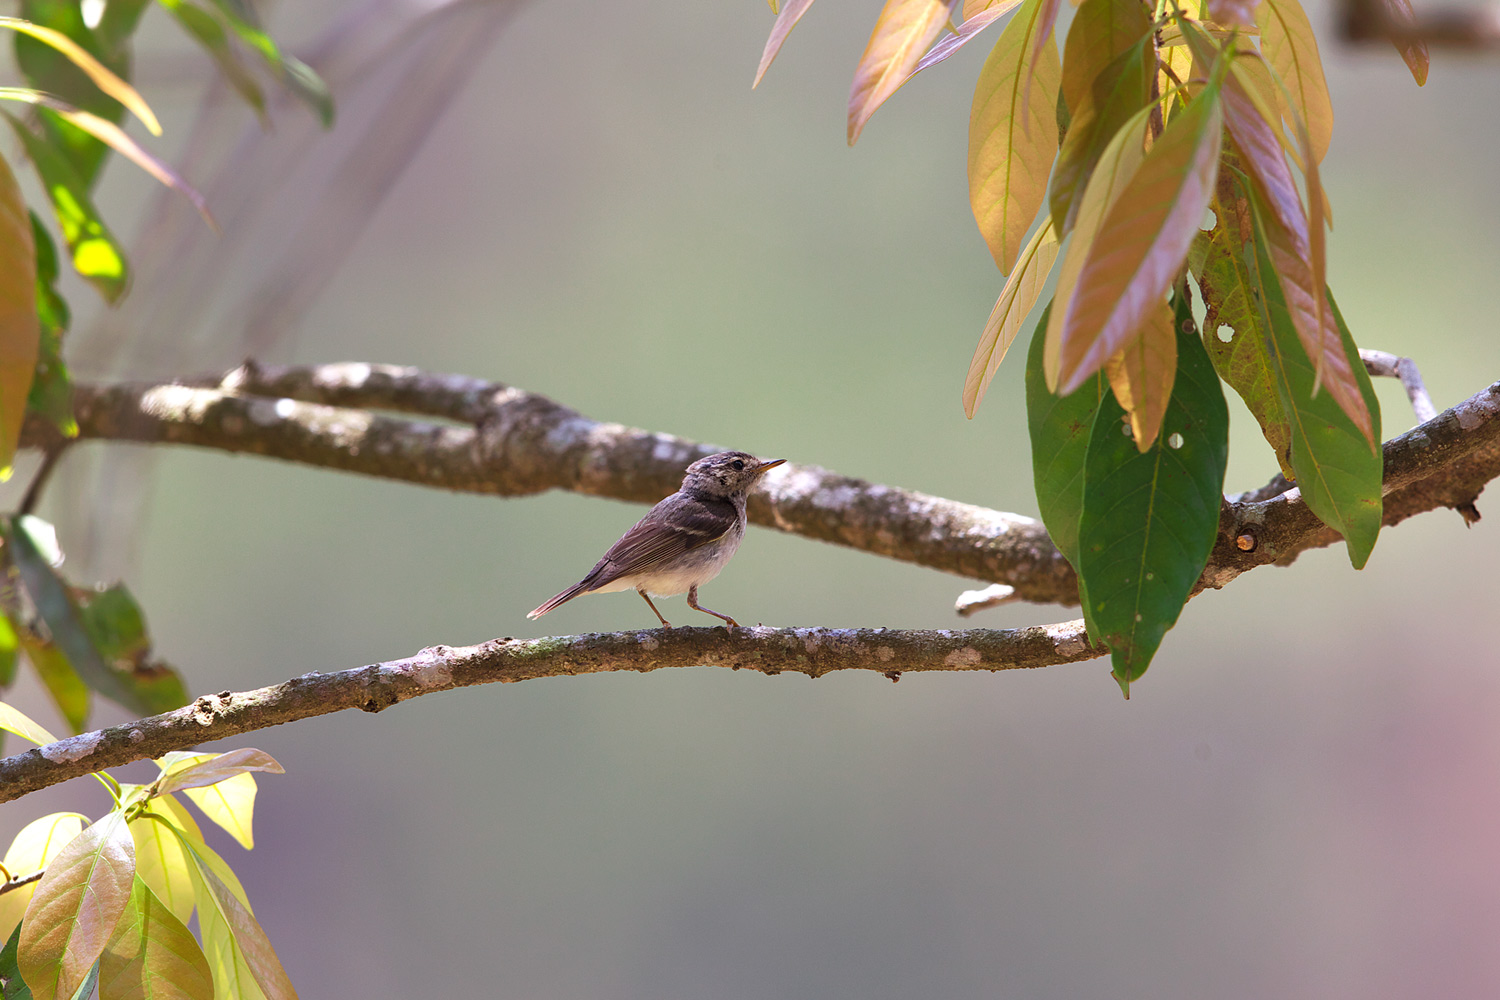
(684, 541)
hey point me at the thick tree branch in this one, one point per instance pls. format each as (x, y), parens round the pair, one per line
(810, 651)
(497, 439)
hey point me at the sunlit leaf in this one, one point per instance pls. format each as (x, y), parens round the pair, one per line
(786, 20)
(210, 34)
(96, 253)
(231, 802)
(1141, 375)
(903, 32)
(37, 844)
(1142, 243)
(1059, 428)
(971, 27)
(75, 908)
(1235, 338)
(1150, 518)
(1020, 294)
(182, 771)
(13, 720)
(1013, 134)
(1116, 167)
(103, 78)
(294, 74)
(1290, 47)
(9, 647)
(159, 858)
(152, 955)
(232, 977)
(19, 332)
(1337, 470)
(252, 950)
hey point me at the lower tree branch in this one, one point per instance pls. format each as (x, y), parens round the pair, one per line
(486, 437)
(810, 651)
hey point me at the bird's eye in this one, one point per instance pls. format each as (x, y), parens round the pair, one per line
(738, 463)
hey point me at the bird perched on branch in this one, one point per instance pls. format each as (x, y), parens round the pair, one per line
(683, 542)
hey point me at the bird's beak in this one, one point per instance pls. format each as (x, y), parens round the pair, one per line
(768, 466)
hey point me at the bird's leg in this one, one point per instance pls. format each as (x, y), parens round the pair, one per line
(664, 622)
(693, 603)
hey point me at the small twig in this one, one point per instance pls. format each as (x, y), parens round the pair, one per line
(1386, 365)
(992, 596)
(20, 880)
(39, 481)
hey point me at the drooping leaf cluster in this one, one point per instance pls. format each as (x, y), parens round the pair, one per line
(111, 909)
(1095, 168)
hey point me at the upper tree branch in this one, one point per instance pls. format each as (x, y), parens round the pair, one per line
(810, 651)
(491, 438)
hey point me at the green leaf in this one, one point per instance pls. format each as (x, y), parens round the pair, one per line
(293, 73)
(153, 955)
(51, 393)
(50, 595)
(247, 956)
(97, 255)
(8, 648)
(160, 860)
(12, 985)
(1337, 471)
(1150, 519)
(210, 34)
(75, 909)
(1013, 132)
(100, 75)
(117, 628)
(90, 982)
(1241, 356)
(1059, 427)
(68, 691)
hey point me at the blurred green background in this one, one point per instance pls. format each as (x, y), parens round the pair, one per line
(1300, 799)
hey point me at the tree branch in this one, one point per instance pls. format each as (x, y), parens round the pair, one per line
(497, 439)
(810, 651)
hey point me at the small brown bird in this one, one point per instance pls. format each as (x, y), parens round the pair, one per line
(684, 541)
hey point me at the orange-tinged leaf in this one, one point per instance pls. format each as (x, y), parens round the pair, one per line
(153, 956)
(1239, 13)
(189, 770)
(103, 77)
(20, 335)
(1101, 30)
(250, 950)
(903, 32)
(1022, 289)
(1413, 50)
(786, 20)
(75, 908)
(1142, 243)
(38, 843)
(973, 7)
(1291, 50)
(1308, 305)
(1013, 135)
(1116, 167)
(966, 31)
(1141, 375)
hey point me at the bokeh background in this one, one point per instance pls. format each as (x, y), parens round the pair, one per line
(1300, 799)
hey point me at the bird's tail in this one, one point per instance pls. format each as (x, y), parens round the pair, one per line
(563, 598)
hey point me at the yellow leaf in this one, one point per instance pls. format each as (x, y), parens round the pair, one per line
(786, 20)
(1291, 50)
(230, 804)
(1020, 294)
(903, 32)
(1013, 134)
(153, 956)
(13, 720)
(1141, 375)
(159, 859)
(1117, 165)
(102, 76)
(36, 844)
(20, 335)
(246, 959)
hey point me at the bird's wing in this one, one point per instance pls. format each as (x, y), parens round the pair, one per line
(677, 525)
